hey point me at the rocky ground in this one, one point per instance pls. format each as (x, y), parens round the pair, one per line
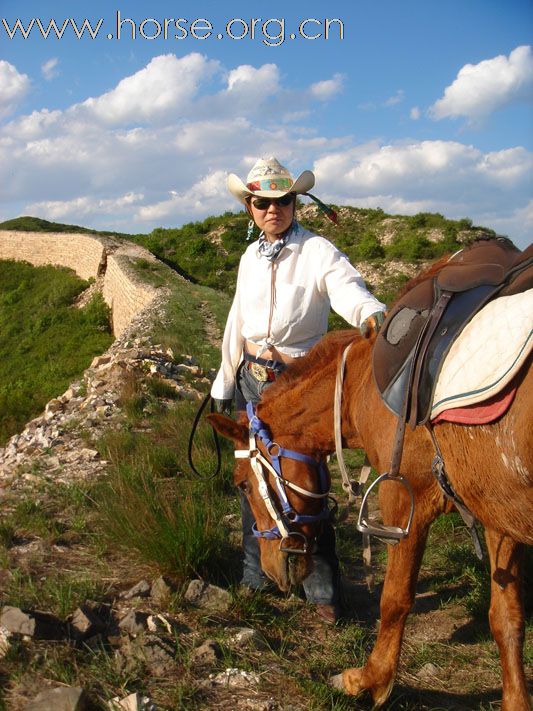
(202, 646)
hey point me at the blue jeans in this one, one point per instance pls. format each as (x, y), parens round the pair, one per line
(322, 585)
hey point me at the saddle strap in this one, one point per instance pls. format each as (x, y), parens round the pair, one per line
(439, 472)
(420, 355)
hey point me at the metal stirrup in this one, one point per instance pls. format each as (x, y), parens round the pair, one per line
(389, 534)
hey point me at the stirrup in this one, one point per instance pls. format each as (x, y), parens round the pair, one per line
(389, 534)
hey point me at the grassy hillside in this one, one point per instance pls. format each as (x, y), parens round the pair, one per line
(37, 224)
(45, 342)
(208, 252)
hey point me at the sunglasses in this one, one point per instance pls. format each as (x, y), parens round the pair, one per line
(263, 203)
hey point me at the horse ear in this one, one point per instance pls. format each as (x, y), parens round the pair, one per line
(227, 427)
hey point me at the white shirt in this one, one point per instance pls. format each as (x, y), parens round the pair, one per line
(285, 303)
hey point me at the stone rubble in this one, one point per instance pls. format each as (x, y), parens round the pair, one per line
(234, 677)
(206, 596)
(56, 445)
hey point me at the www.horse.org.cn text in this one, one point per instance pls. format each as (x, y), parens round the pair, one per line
(271, 32)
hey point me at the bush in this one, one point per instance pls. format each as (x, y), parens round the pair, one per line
(370, 248)
(410, 247)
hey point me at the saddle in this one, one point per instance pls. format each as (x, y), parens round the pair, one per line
(423, 324)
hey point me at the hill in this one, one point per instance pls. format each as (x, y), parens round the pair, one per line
(383, 246)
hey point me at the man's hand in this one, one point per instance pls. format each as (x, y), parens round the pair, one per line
(373, 323)
(223, 406)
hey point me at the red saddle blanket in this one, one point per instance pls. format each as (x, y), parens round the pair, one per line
(481, 413)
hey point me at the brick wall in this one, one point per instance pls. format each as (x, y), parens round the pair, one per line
(89, 256)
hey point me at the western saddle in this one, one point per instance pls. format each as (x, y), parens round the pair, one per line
(422, 325)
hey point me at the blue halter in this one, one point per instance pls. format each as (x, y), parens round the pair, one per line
(287, 516)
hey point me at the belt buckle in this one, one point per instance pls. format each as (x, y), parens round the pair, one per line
(259, 372)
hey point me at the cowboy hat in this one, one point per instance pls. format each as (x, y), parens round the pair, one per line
(268, 178)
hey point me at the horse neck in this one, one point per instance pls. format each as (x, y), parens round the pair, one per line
(305, 410)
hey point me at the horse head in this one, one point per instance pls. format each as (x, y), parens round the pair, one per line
(288, 492)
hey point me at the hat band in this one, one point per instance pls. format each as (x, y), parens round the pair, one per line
(270, 184)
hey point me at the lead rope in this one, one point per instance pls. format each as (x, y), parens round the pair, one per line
(202, 407)
(352, 488)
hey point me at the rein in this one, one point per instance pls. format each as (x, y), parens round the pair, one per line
(198, 415)
(285, 515)
(389, 534)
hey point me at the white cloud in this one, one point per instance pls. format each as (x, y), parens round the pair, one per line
(415, 113)
(49, 69)
(114, 163)
(160, 90)
(207, 196)
(397, 98)
(449, 177)
(327, 89)
(13, 87)
(83, 206)
(483, 88)
(247, 79)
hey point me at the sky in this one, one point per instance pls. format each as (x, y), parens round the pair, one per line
(411, 106)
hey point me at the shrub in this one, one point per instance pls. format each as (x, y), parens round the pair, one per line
(370, 248)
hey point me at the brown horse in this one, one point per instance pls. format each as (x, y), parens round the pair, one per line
(490, 467)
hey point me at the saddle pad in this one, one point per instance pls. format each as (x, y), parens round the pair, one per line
(481, 413)
(489, 351)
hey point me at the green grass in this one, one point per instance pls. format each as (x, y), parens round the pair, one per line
(151, 502)
(38, 323)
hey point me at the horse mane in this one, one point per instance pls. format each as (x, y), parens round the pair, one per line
(325, 350)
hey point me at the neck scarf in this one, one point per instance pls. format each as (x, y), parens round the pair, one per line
(270, 250)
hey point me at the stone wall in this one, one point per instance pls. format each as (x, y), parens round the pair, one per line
(89, 256)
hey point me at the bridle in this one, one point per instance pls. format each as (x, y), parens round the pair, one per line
(282, 512)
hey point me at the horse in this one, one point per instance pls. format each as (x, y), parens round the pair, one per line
(490, 467)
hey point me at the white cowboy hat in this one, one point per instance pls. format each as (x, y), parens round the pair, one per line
(268, 178)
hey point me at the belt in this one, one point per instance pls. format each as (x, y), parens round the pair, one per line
(263, 370)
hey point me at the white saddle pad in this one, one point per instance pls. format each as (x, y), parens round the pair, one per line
(489, 351)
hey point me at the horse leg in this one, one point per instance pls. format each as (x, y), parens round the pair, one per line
(379, 672)
(506, 616)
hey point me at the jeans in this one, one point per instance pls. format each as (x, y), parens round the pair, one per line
(321, 587)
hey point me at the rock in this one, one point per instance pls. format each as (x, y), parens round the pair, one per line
(5, 636)
(100, 360)
(247, 637)
(159, 623)
(133, 702)
(62, 698)
(40, 625)
(210, 597)
(85, 622)
(148, 652)
(161, 590)
(142, 589)
(53, 406)
(207, 653)
(234, 677)
(428, 671)
(159, 656)
(134, 623)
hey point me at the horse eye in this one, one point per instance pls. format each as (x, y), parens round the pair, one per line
(244, 486)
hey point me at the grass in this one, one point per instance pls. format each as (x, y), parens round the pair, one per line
(37, 322)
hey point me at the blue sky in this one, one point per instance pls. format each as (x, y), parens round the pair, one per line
(419, 106)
